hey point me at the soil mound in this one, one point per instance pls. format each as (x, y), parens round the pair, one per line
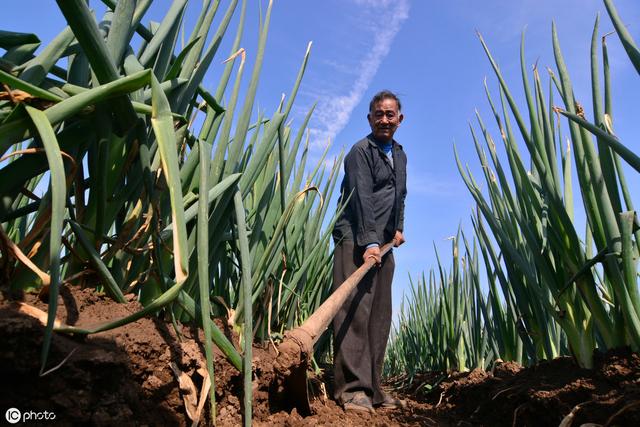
(544, 395)
(145, 373)
(122, 375)
(125, 376)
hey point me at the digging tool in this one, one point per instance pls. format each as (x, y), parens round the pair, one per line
(297, 346)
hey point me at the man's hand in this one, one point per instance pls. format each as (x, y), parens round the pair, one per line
(398, 238)
(373, 252)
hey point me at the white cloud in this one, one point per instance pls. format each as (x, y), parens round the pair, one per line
(334, 109)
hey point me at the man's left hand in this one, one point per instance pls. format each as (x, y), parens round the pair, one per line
(398, 238)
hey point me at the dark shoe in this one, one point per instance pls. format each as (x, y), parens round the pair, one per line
(391, 402)
(359, 402)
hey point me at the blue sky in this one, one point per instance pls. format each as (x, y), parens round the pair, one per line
(428, 52)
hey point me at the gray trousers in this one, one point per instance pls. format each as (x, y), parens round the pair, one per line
(361, 327)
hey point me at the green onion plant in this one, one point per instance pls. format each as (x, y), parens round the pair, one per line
(154, 185)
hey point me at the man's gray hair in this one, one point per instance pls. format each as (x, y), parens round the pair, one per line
(384, 94)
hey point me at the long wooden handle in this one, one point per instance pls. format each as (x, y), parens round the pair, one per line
(316, 324)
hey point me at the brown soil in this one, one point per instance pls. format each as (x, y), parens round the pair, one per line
(543, 395)
(124, 377)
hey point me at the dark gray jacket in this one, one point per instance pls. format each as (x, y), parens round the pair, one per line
(376, 207)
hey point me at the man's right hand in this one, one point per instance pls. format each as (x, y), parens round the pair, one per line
(372, 252)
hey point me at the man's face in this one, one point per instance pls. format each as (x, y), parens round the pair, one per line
(384, 119)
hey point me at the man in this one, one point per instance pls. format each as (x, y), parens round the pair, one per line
(374, 187)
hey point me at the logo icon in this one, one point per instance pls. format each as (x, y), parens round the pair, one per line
(13, 415)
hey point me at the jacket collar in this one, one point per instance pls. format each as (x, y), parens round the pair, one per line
(395, 147)
(372, 140)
